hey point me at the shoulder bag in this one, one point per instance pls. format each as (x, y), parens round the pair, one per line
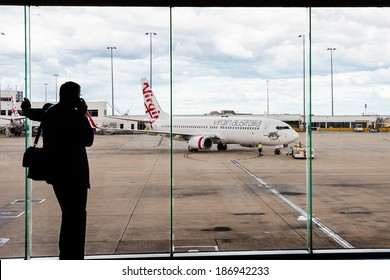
(34, 158)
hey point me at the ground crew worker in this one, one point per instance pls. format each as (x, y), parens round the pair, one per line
(260, 148)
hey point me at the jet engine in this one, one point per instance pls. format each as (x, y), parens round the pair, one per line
(200, 143)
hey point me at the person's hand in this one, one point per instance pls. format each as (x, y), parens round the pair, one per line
(25, 104)
(82, 107)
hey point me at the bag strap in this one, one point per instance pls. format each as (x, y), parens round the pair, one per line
(38, 134)
(48, 106)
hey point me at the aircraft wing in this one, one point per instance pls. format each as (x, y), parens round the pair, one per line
(112, 131)
(176, 135)
(8, 118)
(127, 118)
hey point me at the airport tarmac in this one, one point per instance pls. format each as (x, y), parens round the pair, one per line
(222, 201)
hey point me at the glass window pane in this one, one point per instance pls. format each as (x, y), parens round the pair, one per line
(12, 210)
(107, 51)
(350, 58)
(230, 68)
(234, 71)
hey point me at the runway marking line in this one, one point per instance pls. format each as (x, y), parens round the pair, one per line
(328, 231)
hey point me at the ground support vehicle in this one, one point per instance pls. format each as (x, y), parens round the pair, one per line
(300, 151)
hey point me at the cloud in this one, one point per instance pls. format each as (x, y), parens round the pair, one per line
(222, 57)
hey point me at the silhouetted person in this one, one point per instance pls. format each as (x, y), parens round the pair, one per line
(66, 133)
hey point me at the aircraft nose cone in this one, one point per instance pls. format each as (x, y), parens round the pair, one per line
(294, 135)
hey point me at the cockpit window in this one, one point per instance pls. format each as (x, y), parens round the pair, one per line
(282, 127)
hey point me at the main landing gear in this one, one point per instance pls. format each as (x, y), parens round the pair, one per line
(277, 152)
(221, 147)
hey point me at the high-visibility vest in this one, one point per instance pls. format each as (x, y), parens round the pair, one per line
(259, 146)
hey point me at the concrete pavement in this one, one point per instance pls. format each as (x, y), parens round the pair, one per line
(217, 206)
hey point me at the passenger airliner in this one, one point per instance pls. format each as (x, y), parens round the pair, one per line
(201, 132)
(16, 121)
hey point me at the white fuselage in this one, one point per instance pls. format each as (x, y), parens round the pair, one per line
(246, 130)
(201, 132)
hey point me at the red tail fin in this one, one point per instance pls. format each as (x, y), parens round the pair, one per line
(14, 110)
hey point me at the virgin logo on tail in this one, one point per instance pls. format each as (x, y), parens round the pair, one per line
(151, 109)
(14, 110)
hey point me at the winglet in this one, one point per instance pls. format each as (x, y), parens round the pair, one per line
(14, 110)
(91, 121)
(15, 114)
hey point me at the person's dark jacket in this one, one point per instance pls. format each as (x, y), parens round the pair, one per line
(36, 114)
(66, 133)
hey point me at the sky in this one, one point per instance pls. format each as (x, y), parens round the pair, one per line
(223, 58)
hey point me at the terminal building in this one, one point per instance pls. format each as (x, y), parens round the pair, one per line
(98, 111)
(333, 123)
(329, 123)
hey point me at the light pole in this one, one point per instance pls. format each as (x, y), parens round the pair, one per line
(304, 83)
(267, 99)
(150, 55)
(112, 77)
(56, 76)
(331, 73)
(45, 92)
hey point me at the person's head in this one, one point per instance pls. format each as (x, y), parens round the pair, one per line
(70, 93)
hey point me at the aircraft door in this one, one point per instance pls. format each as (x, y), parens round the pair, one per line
(266, 128)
